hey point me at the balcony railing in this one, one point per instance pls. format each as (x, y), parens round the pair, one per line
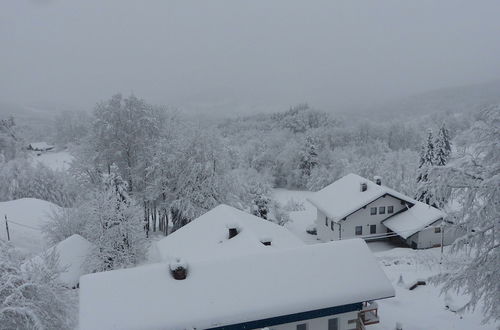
(368, 315)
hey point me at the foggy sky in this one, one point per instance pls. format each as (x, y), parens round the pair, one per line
(255, 53)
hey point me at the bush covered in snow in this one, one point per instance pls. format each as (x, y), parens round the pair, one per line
(31, 296)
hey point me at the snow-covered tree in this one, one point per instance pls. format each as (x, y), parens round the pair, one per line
(31, 296)
(474, 179)
(425, 164)
(114, 225)
(442, 147)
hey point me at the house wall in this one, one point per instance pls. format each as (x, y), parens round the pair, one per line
(427, 237)
(322, 323)
(362, 217)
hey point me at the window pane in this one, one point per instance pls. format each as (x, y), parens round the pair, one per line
(390, 209)
(331, 225)
(326, 221)
(359, 230)
(437, 230)
(302, 326)
(373, 210)
(381, 210)
(333, 324)
(373, 229)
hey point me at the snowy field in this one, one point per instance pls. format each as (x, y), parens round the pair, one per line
(420, 309)
(55, 160)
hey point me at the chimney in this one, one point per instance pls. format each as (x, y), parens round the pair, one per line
(363, 186)
(178, 269)
(233, 230)
(378, 180)
(266, 241)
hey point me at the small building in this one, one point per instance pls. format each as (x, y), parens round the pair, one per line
(206, 237)
(330, 286)
(357, 207)
(40, 146)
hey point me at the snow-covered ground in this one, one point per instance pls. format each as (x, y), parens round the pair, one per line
(25, 218)
(56, 160)
(423, 308)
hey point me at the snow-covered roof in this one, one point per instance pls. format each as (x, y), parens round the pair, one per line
(344, 196)
(41, 146)
(413, 219)
(234, 290)
(72, 253)
(207, 236)
(26, 217)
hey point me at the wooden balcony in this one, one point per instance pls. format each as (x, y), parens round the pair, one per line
(368, 315)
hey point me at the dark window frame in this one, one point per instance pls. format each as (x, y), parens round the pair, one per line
(326, 221)
(437, 230)
(381, 210)
(333, 324)
(390, 209)
(373, 211)
(358, 232)
(301, 326)
(331, 225)
(373, 229)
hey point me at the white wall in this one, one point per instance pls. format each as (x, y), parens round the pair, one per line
(362, 217)
(427, 237)
(322, 323)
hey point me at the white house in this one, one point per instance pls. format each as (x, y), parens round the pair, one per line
(357, 207)
(206, 237)
(313, 287)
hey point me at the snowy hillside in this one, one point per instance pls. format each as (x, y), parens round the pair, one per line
(55, 160)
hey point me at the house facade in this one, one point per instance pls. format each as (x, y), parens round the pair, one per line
(357, 207)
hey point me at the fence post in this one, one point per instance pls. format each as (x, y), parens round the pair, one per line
(7, 227)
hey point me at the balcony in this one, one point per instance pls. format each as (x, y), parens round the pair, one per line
(368, 315)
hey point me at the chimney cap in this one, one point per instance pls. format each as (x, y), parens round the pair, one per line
(266, 241)
(178, 269)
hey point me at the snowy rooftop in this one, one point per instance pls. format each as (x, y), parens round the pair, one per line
(72, 253)
(26, 217)
(413, 220)
(233, 290)
(207, 236)
(344, 196)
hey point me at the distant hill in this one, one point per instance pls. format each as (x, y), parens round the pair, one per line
(452, 99)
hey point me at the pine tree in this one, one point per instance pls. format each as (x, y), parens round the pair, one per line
(442, 147)
(426, 162)
(308, 159)
(474, 179)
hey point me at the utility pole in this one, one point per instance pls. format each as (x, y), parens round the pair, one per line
(7, 228)
(442, 239)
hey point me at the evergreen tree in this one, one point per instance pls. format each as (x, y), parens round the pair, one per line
(426, 162)
(114, 225)
(474, 179)
(442, 147)
(308, 159)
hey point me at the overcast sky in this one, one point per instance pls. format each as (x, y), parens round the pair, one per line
(254, 53)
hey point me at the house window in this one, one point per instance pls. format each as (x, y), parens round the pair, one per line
(381, 210)
(390, 209)
(331, 225)
(359, 230)
(373, 229)
(333, 324)
(302, 326)
(437, 230)
(326, 221)
(373, 211)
